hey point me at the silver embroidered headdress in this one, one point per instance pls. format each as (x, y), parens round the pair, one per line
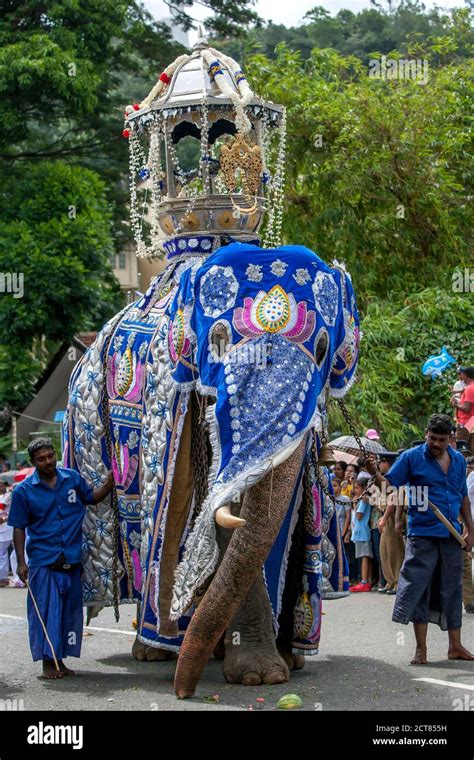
(236, 183)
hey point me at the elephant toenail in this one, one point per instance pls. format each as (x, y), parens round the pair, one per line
(252, 679)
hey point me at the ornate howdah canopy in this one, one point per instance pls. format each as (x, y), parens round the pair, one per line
(232, 180)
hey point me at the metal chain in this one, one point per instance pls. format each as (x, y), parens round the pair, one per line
(199, 451)
(347, 417)
(319, 480)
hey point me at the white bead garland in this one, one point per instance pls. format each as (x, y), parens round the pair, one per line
(274, 222)
(136, 160)
(156, 172)
(160, 86)
(241, 98)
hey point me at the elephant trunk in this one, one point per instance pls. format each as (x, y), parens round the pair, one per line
(264, 511)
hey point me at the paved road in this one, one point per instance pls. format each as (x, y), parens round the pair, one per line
(363, 665)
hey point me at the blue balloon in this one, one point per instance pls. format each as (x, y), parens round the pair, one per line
(435, 365)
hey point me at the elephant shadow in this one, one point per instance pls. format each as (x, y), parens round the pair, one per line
(329, 683)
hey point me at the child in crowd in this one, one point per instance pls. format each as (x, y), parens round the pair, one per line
(459, 385)
(340, 470)
(343, 509)
(376, 514)
(354, 564)
(361, 535)
(350, 477)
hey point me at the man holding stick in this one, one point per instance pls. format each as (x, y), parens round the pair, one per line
(430, 583)
(51, 505)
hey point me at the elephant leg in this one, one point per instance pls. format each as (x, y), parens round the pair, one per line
(251, 655)
(292, 661)
(239, 570)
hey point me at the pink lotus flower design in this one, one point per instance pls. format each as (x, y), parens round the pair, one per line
(178, 343)
(124, 466)
(275, 312)
(125, 375)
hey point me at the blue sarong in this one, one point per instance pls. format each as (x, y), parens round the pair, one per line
(59, 599)
(430, 583)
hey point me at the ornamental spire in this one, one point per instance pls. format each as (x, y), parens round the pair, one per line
(202, 41)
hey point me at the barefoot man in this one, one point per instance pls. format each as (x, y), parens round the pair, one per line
(51, 505)
(430, 583)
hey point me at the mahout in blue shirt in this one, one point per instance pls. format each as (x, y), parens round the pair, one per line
(420, 470)
(52, 516)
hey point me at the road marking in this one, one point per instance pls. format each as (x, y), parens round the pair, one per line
(109, 630)
(446, 683)
(86, 629)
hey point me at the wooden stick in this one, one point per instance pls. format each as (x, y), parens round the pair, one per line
(44, 627)
(447, 524)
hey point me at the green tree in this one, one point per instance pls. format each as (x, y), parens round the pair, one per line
(230, 18)
(56, 243)
(399, 334)
(404, 27)
(67, 68)
(379, 175)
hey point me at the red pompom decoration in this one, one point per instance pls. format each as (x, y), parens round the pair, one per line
(165, 78)
(136, 107)
(126, 133)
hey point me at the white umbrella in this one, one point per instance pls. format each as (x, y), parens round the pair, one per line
(349, 444)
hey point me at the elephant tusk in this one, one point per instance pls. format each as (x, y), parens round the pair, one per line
(226, 519)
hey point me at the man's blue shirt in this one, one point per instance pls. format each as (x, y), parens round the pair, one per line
(53, 517)
(418, 468)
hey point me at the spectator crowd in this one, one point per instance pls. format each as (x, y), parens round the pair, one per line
(373, 537)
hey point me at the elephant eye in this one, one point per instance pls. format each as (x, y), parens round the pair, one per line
(321, 346)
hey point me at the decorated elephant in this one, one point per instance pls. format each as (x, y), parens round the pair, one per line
(207, 399)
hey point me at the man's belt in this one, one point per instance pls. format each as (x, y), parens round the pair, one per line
(61, 565)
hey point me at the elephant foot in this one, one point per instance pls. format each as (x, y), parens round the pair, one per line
(144, 653)
(252, 667)
(293, 661)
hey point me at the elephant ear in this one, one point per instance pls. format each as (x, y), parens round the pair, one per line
(343, 371)
(181, 339)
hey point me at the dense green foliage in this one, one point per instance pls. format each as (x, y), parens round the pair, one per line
(399, 334)
(67, 69)
(371, 30)
(380, 175)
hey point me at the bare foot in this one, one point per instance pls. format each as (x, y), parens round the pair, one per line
(50, 672)
(460, 653)
(420, 657)
(65, 670)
